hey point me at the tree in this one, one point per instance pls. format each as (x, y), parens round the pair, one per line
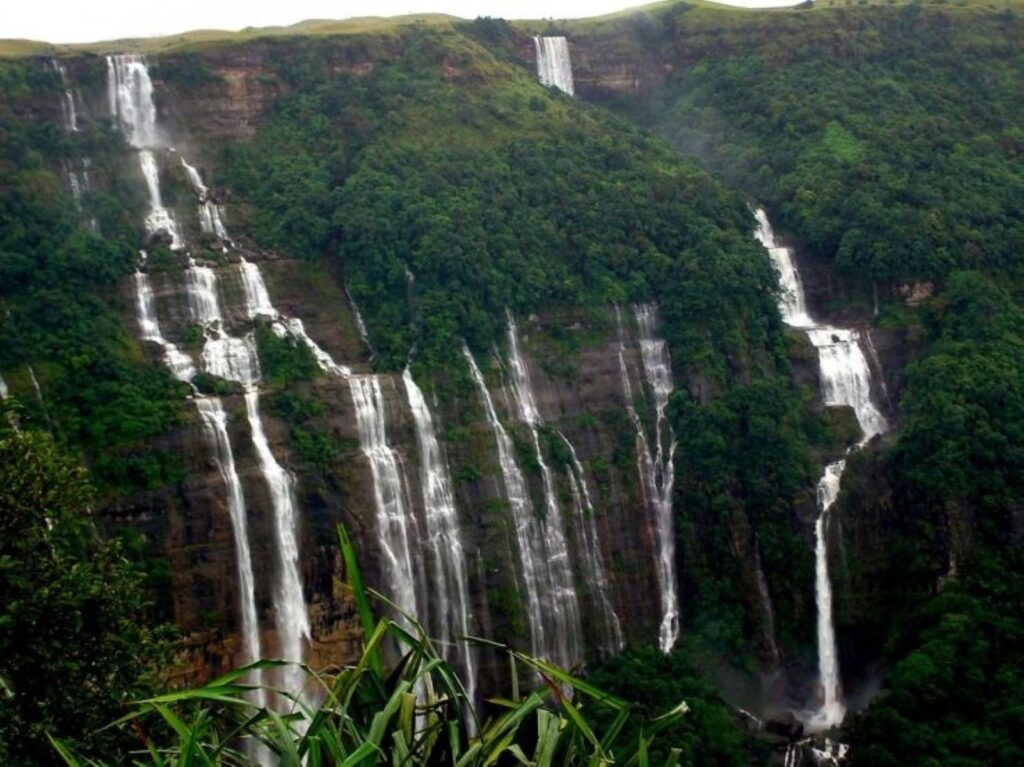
(73, 642)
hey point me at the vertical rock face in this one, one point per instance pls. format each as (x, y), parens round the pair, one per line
(422, 483)
(250, 532)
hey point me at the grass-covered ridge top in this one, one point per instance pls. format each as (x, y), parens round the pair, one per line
(704, 10)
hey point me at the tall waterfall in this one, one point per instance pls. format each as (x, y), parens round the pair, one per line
(130, 91)
(590, 547)
(845, 380)
(660, 468)
(289, 601)
(442, 540)
(531, 552)
(211, 412)
(396, 525)
(235, 359)
(554, 65)
(565, 604)
(215, 423)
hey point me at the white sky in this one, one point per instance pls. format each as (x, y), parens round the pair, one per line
(76, 21)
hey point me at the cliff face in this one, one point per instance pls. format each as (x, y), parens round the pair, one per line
(206, 100)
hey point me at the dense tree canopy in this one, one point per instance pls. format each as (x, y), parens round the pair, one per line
(75, 643)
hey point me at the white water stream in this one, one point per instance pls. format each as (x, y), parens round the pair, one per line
(397, 532)
(656, 470)
(845, 380)
(554, 64)
(450, 605)
(565, 637)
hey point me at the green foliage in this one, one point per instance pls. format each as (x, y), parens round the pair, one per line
(74, 635)
(416, 713)
(185, 71)
(889, 140)
(283, 360)
(963, 441)
(495, 193)
(208, 383)
(55, 279)
(652, 682)
(745, 455)
(954, 694)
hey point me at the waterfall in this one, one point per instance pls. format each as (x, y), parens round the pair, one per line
(554, 66)
(215, 423)
(180, 364)
(68, 112)
(396, 527)
(792, 304)
(451, 603)
(235, 359)
(289, 601)
(211, 412)
(845, 380)
(4, 391)
(846, 377)
(130, 91)
(78, 182)
(209, 212)
(531, 553)
(364, 336)
(661, 469)
(832, 709)
(564, 610)
(590, 546)
(258, 304)
(767, 611)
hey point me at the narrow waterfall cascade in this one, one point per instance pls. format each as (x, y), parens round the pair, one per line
(4, 391)
(201, 290)
(531, 550)
(209, 212)
(180, 364)
(793, 304)
(645, 466)
(396, 525)
(443, 540)
(292, 615)
(236, 359)
(565, 610)
(590, 547)
(130, 91)
(767, 610)
(833, 708)
(74, 184)
(845, 380)
(69, 114)
(364, 336)
(258, 304)
(554, 65)
(658, 371)
(159, 218)
(215, 421)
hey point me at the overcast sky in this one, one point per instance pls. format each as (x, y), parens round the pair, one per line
(76, 21)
